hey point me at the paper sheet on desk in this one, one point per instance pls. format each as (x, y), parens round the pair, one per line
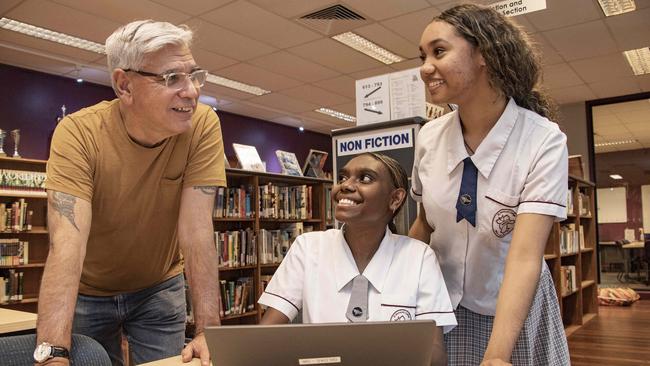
(173, 361)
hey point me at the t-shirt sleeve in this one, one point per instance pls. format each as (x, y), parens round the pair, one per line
(416, 184)
(205, 165)
(71, 163)
(545, 190)
(284, 292)
(433, 300)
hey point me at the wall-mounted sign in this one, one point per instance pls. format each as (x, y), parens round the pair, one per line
(407, 94)
(390, 139)
(373, 100)
(512, 8)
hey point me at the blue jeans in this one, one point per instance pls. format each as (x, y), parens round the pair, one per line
(153, 321)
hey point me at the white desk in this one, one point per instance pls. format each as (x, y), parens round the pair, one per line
(15, 321)
(173, 361)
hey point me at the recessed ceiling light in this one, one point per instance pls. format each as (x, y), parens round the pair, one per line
(367, 47)
(612, 143)
(301, 129)
(639, 60)
(49, 35)
(615, 7)
(615, 176)
(251, 89)
(336, 114)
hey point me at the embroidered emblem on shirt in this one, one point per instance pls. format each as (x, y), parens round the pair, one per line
(503, 222)
(400, 315)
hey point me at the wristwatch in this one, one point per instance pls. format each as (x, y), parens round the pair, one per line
(45, 351)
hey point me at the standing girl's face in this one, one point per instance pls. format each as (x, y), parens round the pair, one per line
(365, 193)
(451, 67)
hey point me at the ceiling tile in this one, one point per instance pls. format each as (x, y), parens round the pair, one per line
(34, 62)
(291, 65)
(292, 8)
(410, 26)
(408, 64)
(562, 13)
(631, 30)
(644, 82)
(615, 88)
(284, 102)
(634, 116)
(612, 66)
(347, 108)
(114, 10)
(210, 60)
(335, 55)
(379, 10)
(221, 92)
(582, 41)
(389, 40)
(93, 75)
(7, 5)
(560, 76)
(252, 21)
(36, 45)
(549, 55)
(250, 111)
(376, 71)
(572, 94)
(224, 42)
(332, 122)
(289, 121)
(67, 20)
(318, 96)
(253, 75)
(343, 85)
(639, 127)
(194, 7)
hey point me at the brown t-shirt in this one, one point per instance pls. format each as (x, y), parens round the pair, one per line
(135, 192)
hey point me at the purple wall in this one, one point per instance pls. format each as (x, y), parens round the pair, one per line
(31, 101)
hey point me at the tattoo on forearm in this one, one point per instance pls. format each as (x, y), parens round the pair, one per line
(63, 203)
(207, 190)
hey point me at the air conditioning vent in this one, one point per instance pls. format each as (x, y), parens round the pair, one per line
(339, 12)
(333, 20)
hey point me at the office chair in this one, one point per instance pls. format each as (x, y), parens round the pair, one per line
(19, 351)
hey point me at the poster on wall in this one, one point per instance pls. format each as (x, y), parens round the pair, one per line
(373, 100)
(407, 94)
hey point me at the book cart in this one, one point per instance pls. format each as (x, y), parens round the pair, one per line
(571, 256)
(22, 271)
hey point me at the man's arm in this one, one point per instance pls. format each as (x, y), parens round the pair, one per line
(68, 220)
(196, 239)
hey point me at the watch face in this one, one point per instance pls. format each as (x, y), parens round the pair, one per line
(42, 352)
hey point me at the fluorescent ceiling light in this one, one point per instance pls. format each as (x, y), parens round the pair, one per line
(616, 7)
(612, 143)
(251, 89)
(639, 60)
(42, 33)
(336, 114)
(367, 47)
(615, 176)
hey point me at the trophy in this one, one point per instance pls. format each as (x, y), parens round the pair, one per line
(3, 134)
(15, 135)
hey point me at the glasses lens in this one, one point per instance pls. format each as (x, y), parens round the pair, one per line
(198, 77)
(173, 79)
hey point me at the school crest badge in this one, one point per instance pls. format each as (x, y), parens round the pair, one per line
(400, 315)
(503, 222)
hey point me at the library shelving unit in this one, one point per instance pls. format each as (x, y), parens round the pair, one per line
(37, 237)
(571, 256)
(256, 222)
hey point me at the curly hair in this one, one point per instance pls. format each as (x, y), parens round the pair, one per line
(514, 66)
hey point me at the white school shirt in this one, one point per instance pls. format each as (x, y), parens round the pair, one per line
(523, 168)
(404, 278)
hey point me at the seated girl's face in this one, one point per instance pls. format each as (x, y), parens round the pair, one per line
(363, 192)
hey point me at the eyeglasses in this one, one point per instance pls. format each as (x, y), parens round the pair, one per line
(177, 79)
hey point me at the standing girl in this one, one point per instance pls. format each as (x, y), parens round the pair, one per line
(491, 178)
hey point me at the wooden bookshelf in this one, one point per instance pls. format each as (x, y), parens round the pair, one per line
(253, 181)
(37, 237)
(580, 304)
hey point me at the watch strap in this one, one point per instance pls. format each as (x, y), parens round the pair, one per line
(60, 352)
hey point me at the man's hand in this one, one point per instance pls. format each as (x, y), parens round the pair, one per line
(197, 348)
(495, 362)
(56, 361)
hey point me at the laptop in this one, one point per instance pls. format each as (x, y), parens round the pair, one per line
(338, 344)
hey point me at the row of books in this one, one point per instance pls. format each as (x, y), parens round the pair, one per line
(13, 252)
(568, 283)
(22, 180)
(571, 240)
(16, 217)
(274, 244)
(285, 202)
(233, 202)
(11, 286)
(236, 248)
(583, 204)
(237, 297)
(329, 213)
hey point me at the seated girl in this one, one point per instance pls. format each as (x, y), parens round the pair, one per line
(399, 277)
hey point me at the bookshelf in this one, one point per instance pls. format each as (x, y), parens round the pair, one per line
(37, 237)
(571, 256)
(253, 218)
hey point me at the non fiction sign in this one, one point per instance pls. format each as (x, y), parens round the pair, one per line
(389, 139)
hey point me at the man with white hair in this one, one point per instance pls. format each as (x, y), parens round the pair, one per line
(131, 186)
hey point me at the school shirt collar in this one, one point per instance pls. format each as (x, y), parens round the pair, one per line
(345, 269)
(490, 148)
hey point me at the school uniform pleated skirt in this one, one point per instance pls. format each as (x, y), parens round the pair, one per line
(542, 340)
